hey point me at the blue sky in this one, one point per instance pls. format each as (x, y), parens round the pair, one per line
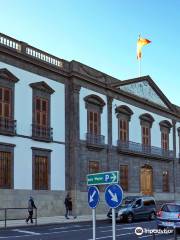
(103, 34)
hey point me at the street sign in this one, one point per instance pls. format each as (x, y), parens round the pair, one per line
(103, 178)
(113, 195)
(93, 196)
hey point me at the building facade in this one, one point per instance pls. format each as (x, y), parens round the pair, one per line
(61, 120)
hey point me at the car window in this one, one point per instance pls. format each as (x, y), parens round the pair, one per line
(138, 203)
(171, 208)
(149, 202)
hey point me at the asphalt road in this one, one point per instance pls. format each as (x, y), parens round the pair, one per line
(82, 231)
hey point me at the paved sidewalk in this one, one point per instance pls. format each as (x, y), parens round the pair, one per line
(52, 220)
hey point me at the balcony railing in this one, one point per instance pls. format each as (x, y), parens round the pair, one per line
(134, 147)
(7, 126)
(97, 140)
(32, 52)
(42, 133)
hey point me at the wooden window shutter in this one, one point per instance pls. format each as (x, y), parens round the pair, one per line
(165, 181)
(93, 167)
(5, 169)
(41, 112)
(123, 125)
(124, 177)
(41, 173)
(93, 119)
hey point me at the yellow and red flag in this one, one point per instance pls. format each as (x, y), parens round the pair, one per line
(140, 43)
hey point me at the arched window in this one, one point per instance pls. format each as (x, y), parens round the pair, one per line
(124, 116)
(146, 121)
(165, 127)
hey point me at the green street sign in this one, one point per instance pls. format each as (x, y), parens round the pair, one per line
(102, 178)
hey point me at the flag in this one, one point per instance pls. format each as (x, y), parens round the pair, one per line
(140, 43)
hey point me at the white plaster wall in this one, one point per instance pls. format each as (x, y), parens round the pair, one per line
(135, 127)
(23, 162)
(83, 114)
(23, 102)
(177, 140)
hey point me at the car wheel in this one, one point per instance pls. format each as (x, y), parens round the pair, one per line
(152, 216)
(130, 218)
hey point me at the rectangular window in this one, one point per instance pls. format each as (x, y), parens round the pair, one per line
(165, 140)
(93, 167)
(5, 169)
(93, 119)
(145, 135)
(124, 177)
(41, 112)
(123, 130)
(41, 167)
(165, 181)
(5, 102)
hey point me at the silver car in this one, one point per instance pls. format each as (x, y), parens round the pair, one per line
(169, 216)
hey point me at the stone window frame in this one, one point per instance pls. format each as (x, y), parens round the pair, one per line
(7, 81)
(41, 90)
(165, 127)
(7, 147)
(95, 104)
(123, 112)
(43, 152)
(146, 120)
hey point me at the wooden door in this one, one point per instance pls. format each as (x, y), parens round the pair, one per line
(146, 178)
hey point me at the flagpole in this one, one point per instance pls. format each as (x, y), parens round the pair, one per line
(139, 67)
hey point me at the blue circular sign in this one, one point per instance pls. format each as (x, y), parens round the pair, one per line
(93, 196)
(113, 195)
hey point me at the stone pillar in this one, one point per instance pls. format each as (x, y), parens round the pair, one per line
(174, 156)
(74, 168)
(109, 124)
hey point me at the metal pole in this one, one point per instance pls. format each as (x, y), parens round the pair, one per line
(36, 216)
(113, 224)
(5, 217)
(139, 67)
(175, 235)
(94, 223)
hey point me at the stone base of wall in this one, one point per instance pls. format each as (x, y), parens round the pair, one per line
(51, 203)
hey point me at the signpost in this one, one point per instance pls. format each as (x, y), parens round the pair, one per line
(93, 200)
(113, 197)
(103, 178)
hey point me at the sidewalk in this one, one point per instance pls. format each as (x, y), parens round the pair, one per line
(52, 220)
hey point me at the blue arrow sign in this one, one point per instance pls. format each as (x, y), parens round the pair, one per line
(113, 195)
(93, 196)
